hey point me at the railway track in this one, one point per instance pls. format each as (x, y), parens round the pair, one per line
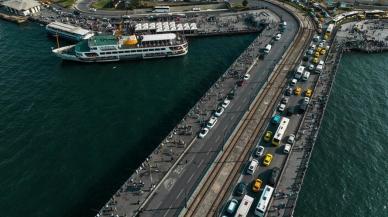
(256, 117)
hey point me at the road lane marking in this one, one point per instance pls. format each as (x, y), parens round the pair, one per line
(189, 180)
(200, 163)
(179, 194)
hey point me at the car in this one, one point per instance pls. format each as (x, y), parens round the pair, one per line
(316, 38)
(203, 132)
(306, 100)
(321, 62)
(287, 148)
(311, 67)
(92, 9)
(240, 189)
(322, 44)
(306, 76)
(309, 92)
(313, 47)
(259, 151)
(267, 136)
(232, 206)
(310, 52)
(225, 103)
(293, 82)
(252, 167)
(247, 76)
(316, 54)
(275, 173)
(212, 121)
(267, 159)
(318, 49)
(256, 185)
(298, 91)
(219, 111)
(315, 60)
(126, 16)
(278, 37)
(285, 100)
(291, 139)
(276, 119)
(323, 52)
(282, 107)
(288, 91)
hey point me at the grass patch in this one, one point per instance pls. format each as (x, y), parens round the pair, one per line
(101, 4)
(65, 3)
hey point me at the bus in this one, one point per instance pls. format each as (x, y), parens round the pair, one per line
(330, 28)
(244, 207)
(280, 131)
(161, 9)
(265, 197)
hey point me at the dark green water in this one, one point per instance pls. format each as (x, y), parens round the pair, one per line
(71, 134)
(348, 173)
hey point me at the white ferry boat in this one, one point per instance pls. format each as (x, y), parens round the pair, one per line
(69, 32)
(109, 48)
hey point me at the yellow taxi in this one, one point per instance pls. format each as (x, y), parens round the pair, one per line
(309, 92)
(298, 91)
(316, 54)
(319, 49)
(267, 136)
(267, 159)
(315, 60)
(326, 36)
(256, 185)
(322, 52)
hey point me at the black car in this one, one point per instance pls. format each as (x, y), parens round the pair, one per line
(274, 176)
(240, 189)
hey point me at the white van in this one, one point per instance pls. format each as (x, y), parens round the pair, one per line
(319, 69)
(278, 37)
(267, 48)
(299, 72)
(287, 148)
(252, 166)
(306, 76)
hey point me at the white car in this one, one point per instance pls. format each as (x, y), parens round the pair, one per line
(321, 44)
(282, 107)
(203, 132)
(278, 37)
(306, 100)
(92, 9)
(287, 148)
(219, 111)
(311, 67)
(293, 82)
(259, 151)
(225, 103)
(291, 139)
(212, 121)
(247, 76)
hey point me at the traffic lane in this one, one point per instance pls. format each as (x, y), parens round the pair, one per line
(184, 172)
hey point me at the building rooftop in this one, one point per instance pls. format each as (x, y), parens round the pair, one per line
(68, 28)
(20, 4)
(159, 37)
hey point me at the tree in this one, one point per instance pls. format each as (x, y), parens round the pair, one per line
(245, 3)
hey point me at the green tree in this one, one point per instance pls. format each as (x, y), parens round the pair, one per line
(245, 3)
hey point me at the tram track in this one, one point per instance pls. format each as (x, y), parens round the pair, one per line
(257, 116)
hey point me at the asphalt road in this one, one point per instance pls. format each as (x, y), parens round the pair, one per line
(171, 196)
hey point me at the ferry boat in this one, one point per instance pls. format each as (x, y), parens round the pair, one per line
(108, 48)
(69, 32)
